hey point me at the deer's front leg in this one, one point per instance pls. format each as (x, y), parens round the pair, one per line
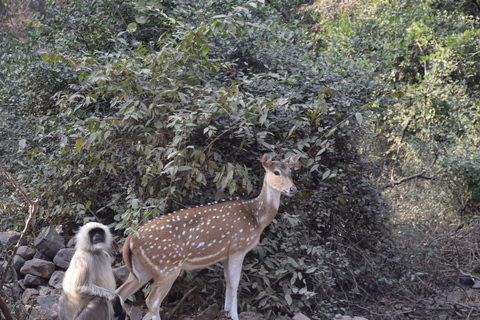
(233, 271)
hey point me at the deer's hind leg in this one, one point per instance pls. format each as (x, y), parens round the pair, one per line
(137, 278)
(162, 285)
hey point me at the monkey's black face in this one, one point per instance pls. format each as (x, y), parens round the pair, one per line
(97, 236)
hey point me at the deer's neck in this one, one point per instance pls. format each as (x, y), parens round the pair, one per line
(266, 205)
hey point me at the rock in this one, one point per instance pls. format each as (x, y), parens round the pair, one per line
(3, 267)
(121, 274)
(250, 316)
(135, 313)
(21, 284)
(42, 313)
(209, 314)
(9, 238)
(47, 290)
(300, 316)
(39, 255)
(455, 296)
(56, 279)
(49, 242)
(31, 281)
(48, 301)
(25, 252)
(29, 294)
(63, 257)
(37, 267)
(18, 262)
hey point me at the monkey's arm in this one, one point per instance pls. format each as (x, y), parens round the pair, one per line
(93, 291)
(118, 308)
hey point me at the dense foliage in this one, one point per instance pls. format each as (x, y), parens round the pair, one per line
(162, 106)
(428, 52)
(122, 111)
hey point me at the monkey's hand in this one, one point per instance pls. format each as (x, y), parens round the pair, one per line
(118, 309)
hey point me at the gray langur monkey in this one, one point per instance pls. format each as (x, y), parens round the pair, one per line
(89, 284)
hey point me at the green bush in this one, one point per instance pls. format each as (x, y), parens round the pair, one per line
(166, 106)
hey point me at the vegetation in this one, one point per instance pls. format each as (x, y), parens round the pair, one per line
(121, 111)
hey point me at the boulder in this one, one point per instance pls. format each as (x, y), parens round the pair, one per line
(56, 279)
(9, 238)
(43, 313)
(25, 252)
(63, 257)
(18, 262)
(49, 242)
(39, 268)
(135, 313)
(31, 281)
(29, 294)
(48, 301)
(121, 274)
(39, 255)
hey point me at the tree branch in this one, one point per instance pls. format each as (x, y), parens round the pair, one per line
(392, 172)
(392, 183)
(33, 207)
(284, 15)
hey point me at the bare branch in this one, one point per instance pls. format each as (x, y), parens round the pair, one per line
(32, 211)
(398, 149)
(392, 183)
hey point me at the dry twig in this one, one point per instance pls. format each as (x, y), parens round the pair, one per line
(33, 207)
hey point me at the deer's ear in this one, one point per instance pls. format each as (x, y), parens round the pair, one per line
(266, 160)
(293, 161)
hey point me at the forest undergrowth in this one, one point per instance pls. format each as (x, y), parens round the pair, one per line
(121, 111)
(435, 265)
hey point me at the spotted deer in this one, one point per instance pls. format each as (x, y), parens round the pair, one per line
(198, 237)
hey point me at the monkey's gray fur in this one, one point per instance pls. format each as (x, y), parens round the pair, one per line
(89, 284)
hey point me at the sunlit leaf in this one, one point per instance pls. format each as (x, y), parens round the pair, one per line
(79, 144)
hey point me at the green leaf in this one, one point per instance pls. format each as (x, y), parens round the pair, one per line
(289, 299)
(79, 144)
(326, 174)
(331, 132)
(141, 19)
(323, 108)
(398, 94)
(132, 27)
(312, 269)
(89, 203)
(359, 118)
(205, 51)
(135, 204)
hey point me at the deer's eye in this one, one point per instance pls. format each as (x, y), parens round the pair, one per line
(276, 172)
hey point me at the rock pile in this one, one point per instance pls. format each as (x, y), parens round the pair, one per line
(39, 273)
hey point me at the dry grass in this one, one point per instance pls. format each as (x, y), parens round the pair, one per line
(434, 249)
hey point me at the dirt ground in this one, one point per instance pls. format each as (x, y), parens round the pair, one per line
(440, 275)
